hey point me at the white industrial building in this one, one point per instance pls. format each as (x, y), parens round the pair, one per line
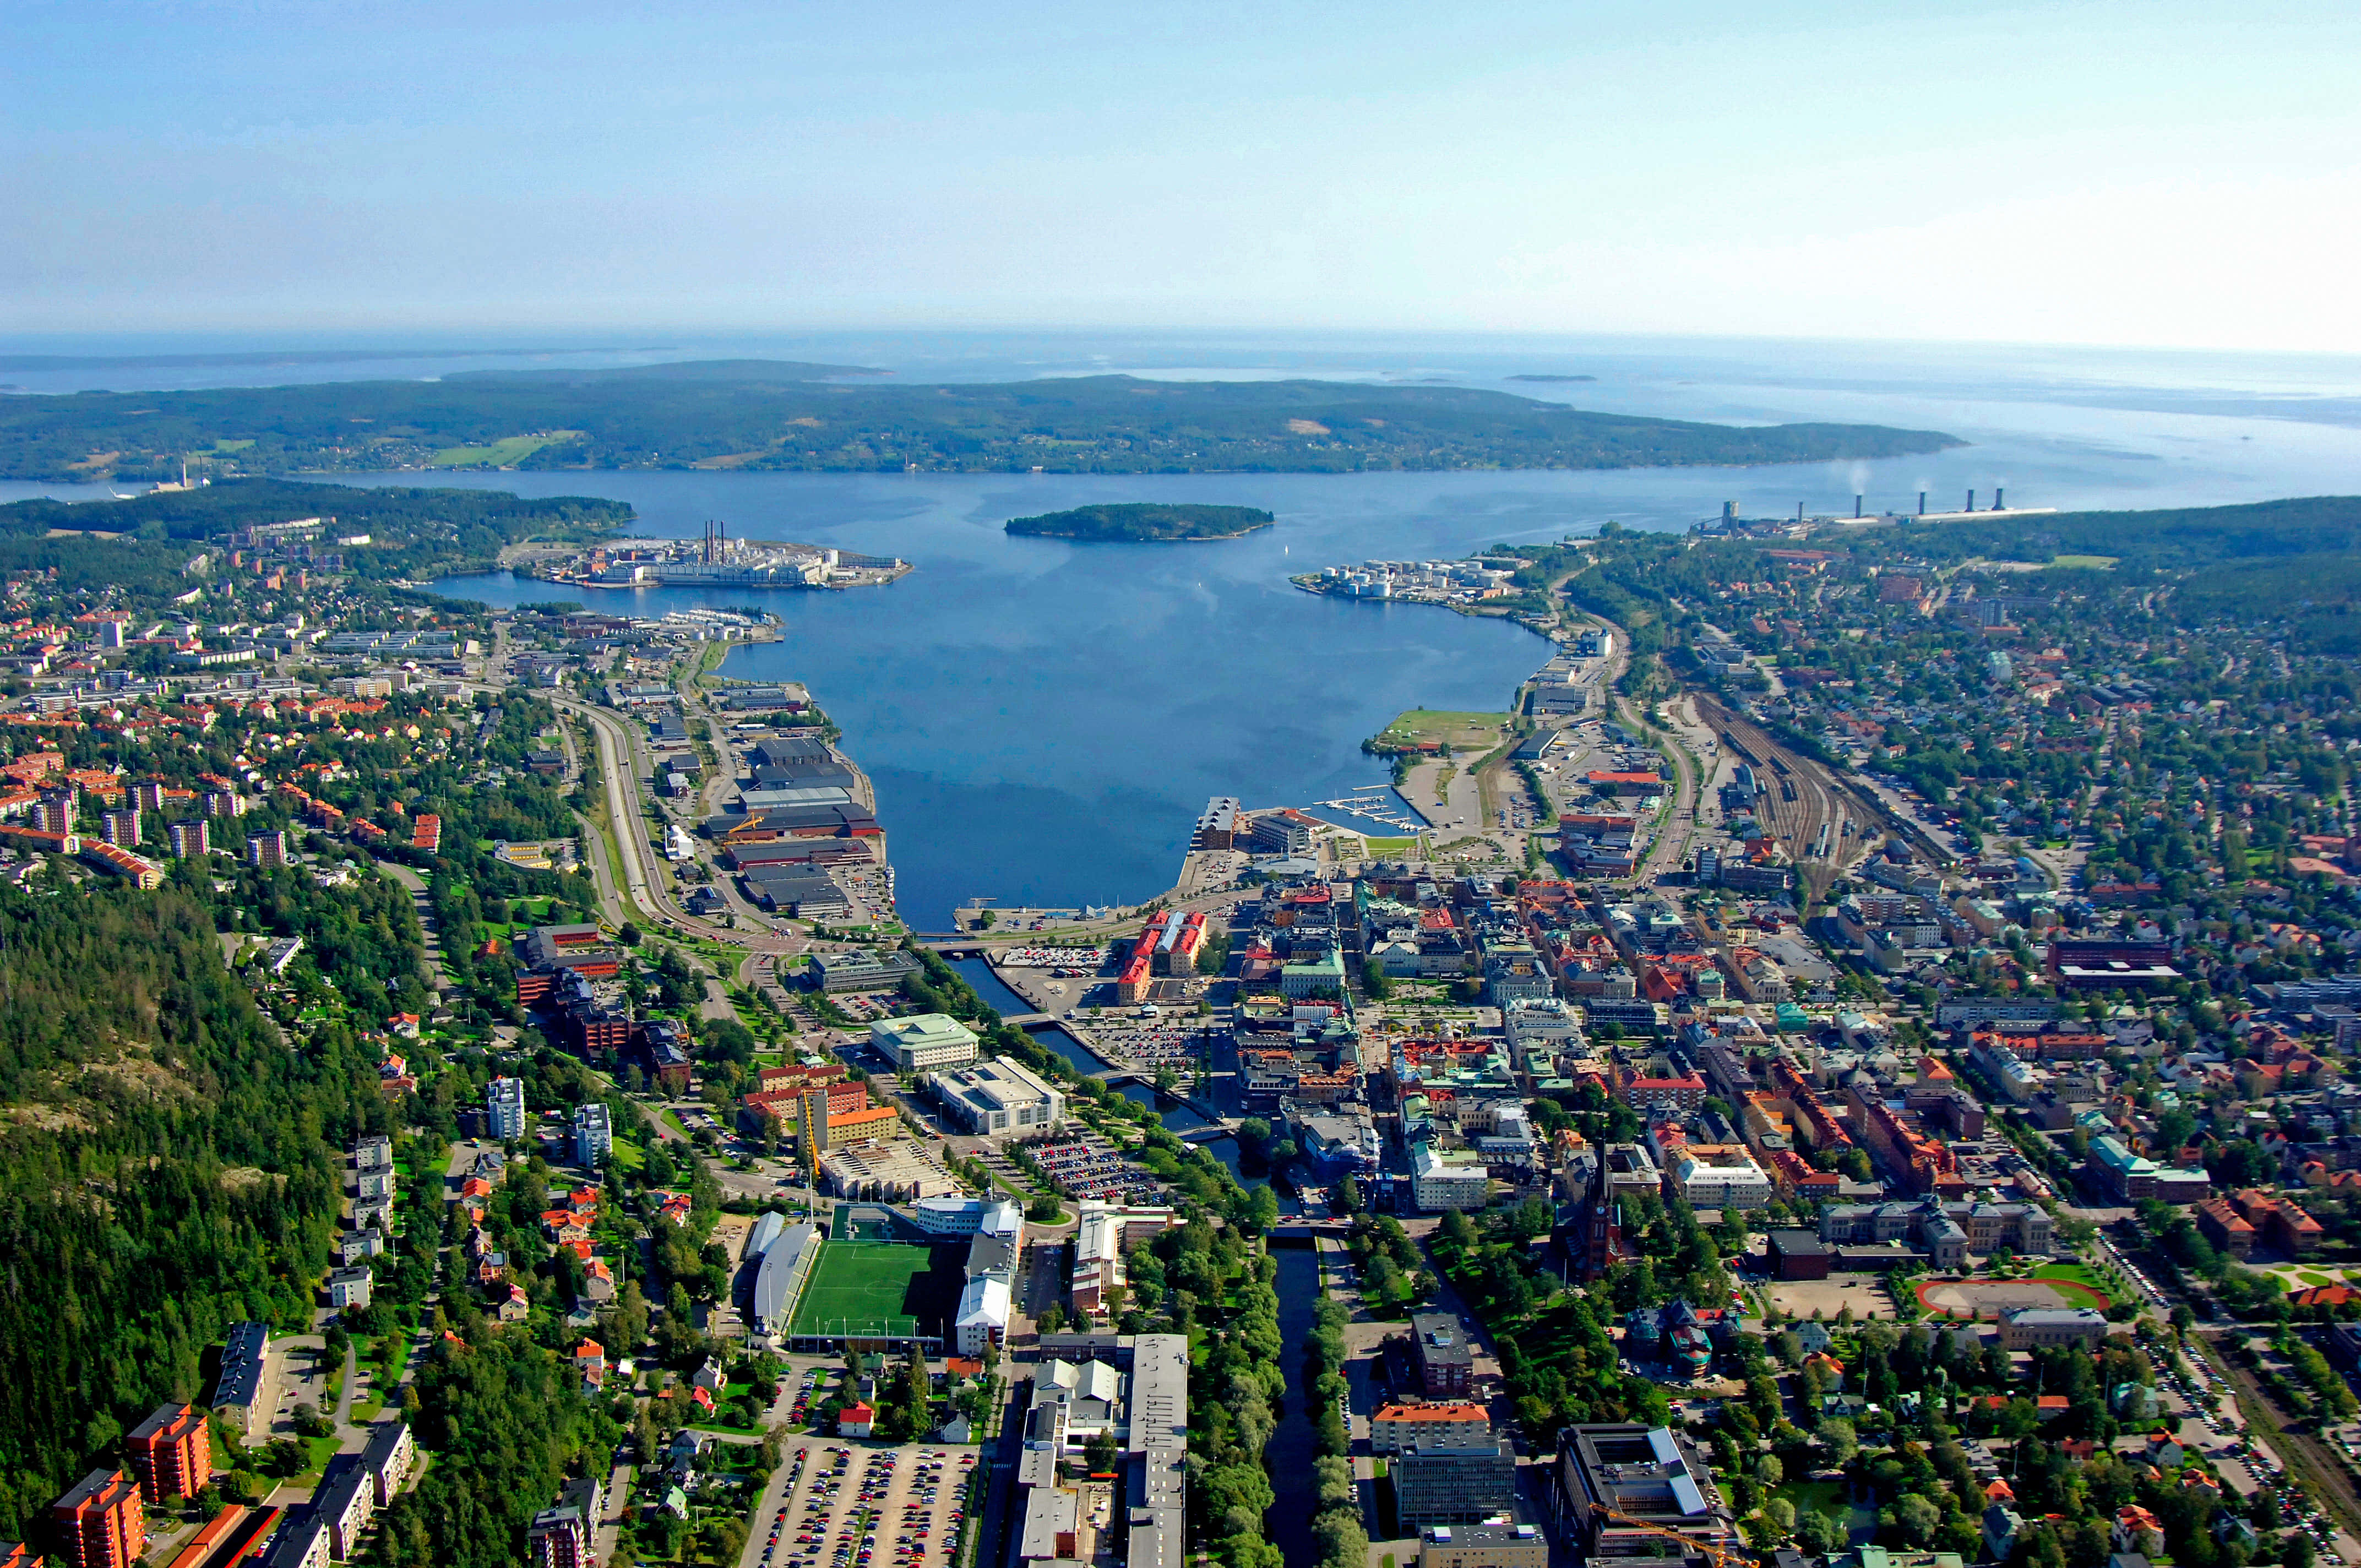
(787, 1263)
(923, 1042)
(958, 1215)
(998, 1098)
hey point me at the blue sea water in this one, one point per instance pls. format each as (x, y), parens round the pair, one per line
(1044, 719)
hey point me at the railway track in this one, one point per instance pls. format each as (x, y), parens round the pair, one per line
(1817, 820)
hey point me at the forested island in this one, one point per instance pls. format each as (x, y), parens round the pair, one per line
(768, 415)
(1143, 522)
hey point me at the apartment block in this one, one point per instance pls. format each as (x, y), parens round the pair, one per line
(1449, 1425)
(171, 1453)
(100, 1523)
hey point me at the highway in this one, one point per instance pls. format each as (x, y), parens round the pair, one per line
(645, 891)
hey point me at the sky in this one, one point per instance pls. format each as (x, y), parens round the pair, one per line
(2152, 173)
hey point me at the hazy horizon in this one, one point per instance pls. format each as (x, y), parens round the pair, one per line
(2102, 175)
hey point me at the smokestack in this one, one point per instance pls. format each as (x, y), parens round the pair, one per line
(1799, 511)
(1729, 511)
(1972, 500)
(1922, 503)
(1856, 506)
(1997, 493)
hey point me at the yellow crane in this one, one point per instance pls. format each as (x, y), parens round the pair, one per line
(1714, 1552)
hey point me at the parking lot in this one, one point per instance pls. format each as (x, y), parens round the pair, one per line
(845, 1504)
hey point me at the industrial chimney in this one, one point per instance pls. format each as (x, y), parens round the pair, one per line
(1729, 511)
(1972, 500)
(1856, 506)
(1799, 511)
(1997, 493)
(1922, 503)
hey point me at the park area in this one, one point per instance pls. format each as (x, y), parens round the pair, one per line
(1429, 729)
(1990, 1298)
(880, 1290)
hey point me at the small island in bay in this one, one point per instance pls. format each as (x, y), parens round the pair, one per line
(1143, 522)
(1552, 378)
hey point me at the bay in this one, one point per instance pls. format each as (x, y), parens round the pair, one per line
(1044, 719)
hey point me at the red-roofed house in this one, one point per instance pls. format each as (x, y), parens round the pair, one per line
(855, 1420)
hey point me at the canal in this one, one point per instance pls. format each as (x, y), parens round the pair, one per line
(990, 989)
(1294, 1442)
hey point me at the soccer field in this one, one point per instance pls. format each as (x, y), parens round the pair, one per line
(866, 1289)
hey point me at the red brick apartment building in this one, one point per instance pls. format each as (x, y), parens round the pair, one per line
(100, 1523)
(171, 1453)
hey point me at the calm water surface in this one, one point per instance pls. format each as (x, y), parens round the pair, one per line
(1043, 720)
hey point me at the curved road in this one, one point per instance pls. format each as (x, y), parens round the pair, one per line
(645, 891)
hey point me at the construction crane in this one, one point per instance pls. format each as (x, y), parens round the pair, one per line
(1719, 1555)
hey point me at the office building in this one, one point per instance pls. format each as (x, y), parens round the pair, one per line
(998, 1098)
(100, 1523)
(1104, 1233)
(1446, 1486)
(1623, 1488)
(504, 1109)
(923, 1042)
(170, 1454)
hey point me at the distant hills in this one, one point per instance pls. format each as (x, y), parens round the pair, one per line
(783, 415)
(1144, 522)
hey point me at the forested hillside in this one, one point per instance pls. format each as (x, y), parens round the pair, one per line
(411, 532)
(739, 415)
(167, 1168)
(2296, 562)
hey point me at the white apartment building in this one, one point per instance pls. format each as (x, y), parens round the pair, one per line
(594, 1133)
(1722, 1176)
(504, 1109)
(1440, 1181)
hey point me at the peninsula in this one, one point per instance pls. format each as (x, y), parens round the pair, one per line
(1144, 522)
(766, 415)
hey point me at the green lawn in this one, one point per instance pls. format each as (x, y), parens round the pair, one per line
(2076, 1274)
(1461, 731)
(509, 449)
(864, 1288)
